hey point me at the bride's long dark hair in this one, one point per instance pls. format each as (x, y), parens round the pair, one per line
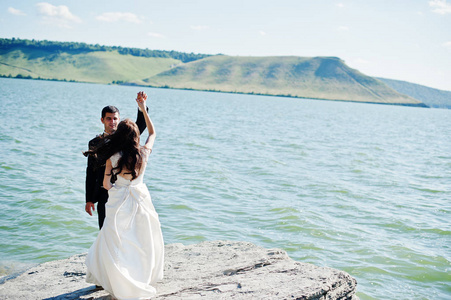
(126, 141)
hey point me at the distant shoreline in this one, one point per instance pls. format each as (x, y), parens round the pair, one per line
(313, 77)
(218, 91)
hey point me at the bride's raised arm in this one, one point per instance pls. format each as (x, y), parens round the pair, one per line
(141, 100)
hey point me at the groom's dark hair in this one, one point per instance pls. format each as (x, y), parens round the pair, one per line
(109, 109)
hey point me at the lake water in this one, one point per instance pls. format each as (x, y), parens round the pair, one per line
(358, 187)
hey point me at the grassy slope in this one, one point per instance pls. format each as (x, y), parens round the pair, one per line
(97, 67)
(317, 77)
(429, 96)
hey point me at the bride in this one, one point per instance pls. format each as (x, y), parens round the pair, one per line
(127, 257)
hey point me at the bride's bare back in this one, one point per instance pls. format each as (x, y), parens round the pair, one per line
(128, 174)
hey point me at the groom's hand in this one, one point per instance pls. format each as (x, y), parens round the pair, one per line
(89, 206)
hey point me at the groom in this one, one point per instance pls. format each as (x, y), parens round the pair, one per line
(95, 193)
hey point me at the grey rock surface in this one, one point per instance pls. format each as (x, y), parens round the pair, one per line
(209, 270)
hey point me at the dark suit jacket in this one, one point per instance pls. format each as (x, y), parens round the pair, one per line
(94, 175)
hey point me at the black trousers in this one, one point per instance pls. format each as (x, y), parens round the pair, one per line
(101, 213)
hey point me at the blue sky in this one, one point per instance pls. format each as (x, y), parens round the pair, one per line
(400, 39)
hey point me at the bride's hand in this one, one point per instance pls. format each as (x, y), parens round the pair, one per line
(141, 100)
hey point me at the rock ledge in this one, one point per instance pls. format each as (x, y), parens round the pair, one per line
(209, 270)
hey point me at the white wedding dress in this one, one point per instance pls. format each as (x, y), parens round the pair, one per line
(127, 257)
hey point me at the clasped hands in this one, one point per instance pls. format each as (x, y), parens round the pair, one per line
(141, 99)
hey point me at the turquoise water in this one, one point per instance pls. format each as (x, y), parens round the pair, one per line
(358, 187)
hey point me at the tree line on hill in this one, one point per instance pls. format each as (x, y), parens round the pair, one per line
(76, 47)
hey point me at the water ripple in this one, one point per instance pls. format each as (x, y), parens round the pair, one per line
(358, 187)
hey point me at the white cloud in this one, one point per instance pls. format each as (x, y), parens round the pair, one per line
(155, 35)
(199, 27)
(59, 15)
(262, 33)
(16, 12)
(343, 28)
(340, 5)
(119, 16)
(440, 7)
(447, 45)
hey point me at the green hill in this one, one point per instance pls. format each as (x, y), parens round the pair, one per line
(96, 67)
(317, 77)
(84, 62)
(307, 77)
(429, 96)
